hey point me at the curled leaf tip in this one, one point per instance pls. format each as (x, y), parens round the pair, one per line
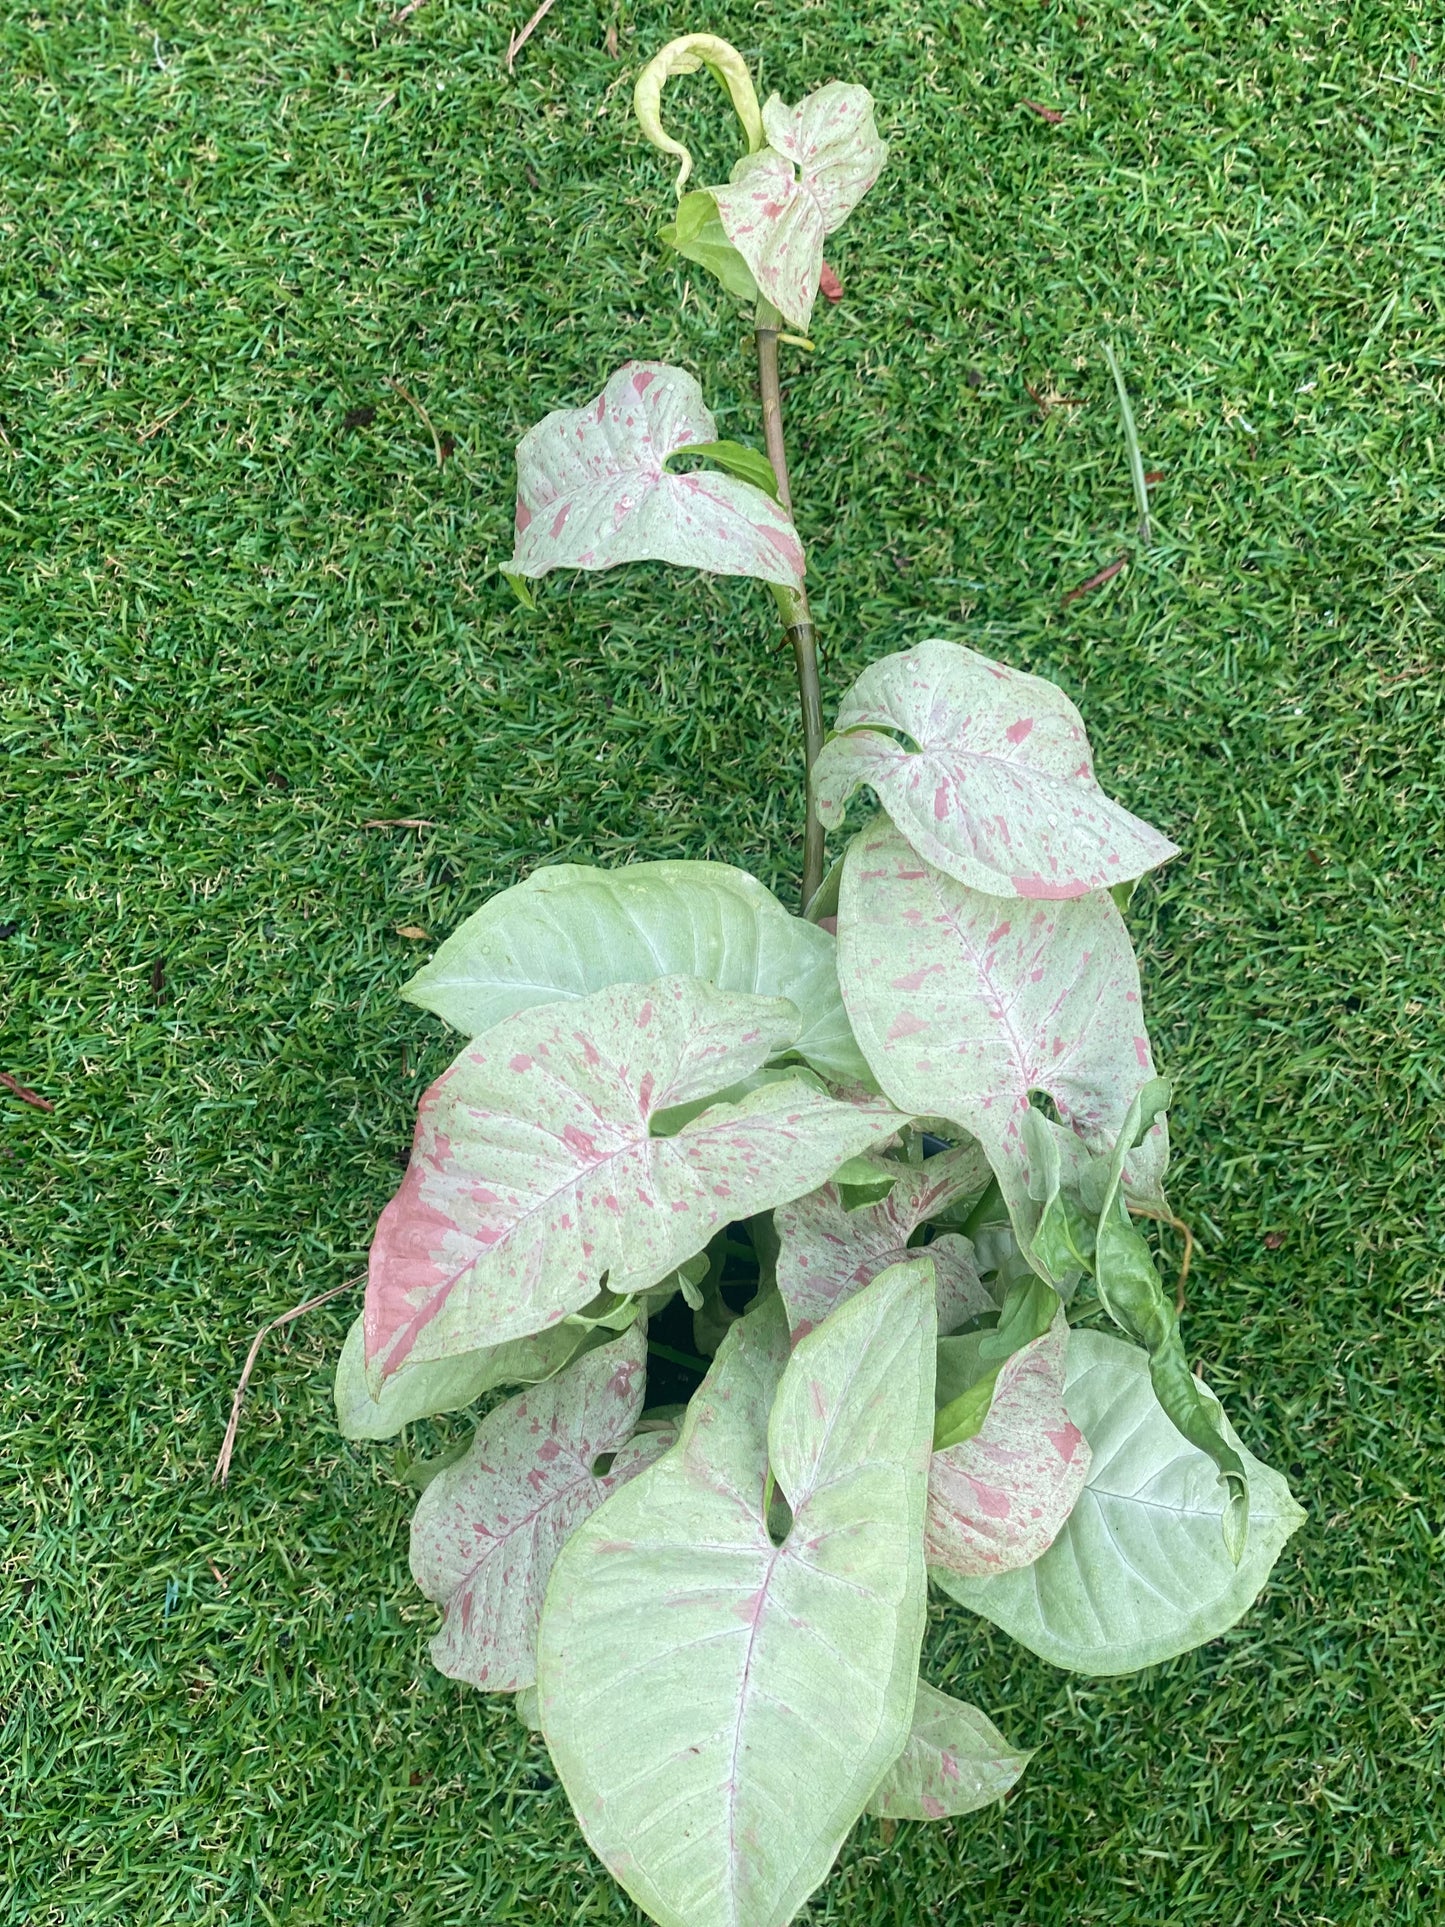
(685, 56)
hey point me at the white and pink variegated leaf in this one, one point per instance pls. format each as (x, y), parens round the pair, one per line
(833, 140)
(999, 1500)
(826, 1254)
(782, 201)
(488, 1528)
(964, 1003)
(777, 1679)
(534, 1176)
(593, 489)
(995, 785)
(955, 1761)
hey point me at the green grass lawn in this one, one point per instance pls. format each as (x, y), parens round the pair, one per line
(246, 614)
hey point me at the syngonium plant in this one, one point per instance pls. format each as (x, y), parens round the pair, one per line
(870, 1166)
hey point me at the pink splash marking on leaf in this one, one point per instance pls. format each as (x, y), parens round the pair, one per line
(915, 979)
(487, 1530)
(905, 1024)
(521, 1063)
(524, 518)
(995, 793)
(999, 1500)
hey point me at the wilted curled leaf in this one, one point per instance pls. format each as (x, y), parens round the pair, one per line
(594, 489)
(821, 158)
(488, 1528)
(987, 773)
(998, 1500)
(535, 1175)
(828, 1253)
(686, 56)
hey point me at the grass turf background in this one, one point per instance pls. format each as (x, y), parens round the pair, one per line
(245, 613)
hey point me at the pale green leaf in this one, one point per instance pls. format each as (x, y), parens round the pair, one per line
(441, 1385)
(535, 1178)
(719, 1707)
(782, 201)
(955, 1761)
(1130, 1290)
(735, 458)
(986, 772)
(570, 929)
(594, 489)
(527, 1710)
(1140, 1571)
(697, 233)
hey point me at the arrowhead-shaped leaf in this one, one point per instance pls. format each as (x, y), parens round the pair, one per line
(964, 1003)
(778, 1680)
(998, 1500)
(1139, 1571)
(994, 784)
(570, 929)
(829, 1253)
(594, 489)
(955, 1761)
(535, 1178)
(487, 1529)
(822, 157)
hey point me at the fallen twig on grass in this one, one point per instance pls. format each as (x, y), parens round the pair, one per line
(1050, 114)
(1097, 581)
(399, 823)
(410, 399)
(228, 1444)
(1166, 1217)
(519, 40)
(24, 1092)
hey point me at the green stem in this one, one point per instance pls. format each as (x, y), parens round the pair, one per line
(793, 603)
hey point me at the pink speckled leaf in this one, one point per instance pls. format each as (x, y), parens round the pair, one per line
(488, 1528)
(593, 489)
(822, 158)
(534, 1176)
(995, 785)
(720, 1706)
(826, 1254)
(955, 1761)
(999, 1500)
(964, 1003)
